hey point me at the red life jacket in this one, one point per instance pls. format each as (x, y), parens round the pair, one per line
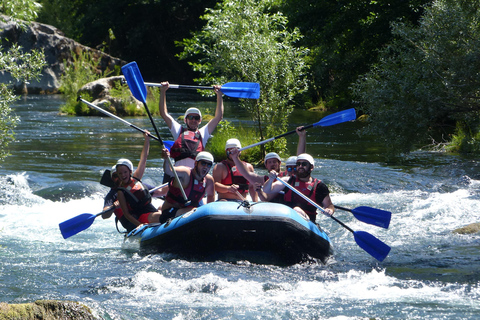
(234, 177)
(194, 192)
(139, 200)
(283, 174)
(187, 145)
(307, 188)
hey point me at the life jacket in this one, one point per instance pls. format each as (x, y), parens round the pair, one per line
(194, 192)
(235, 177)
(139, 200)
(283, 174)
(291, 199)
(187, 145)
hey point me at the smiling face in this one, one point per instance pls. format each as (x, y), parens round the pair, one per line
(123, 173)
(193, 120)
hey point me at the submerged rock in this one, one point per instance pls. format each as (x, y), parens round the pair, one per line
(46, 310)
(468, 229)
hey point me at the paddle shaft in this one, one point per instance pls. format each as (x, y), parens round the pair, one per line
(184, 195)
(179, 86)
(335, 118)
(274, 138)
(115, 117)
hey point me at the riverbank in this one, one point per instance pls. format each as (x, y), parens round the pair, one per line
(46, 310)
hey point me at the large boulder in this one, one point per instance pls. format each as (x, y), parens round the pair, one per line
(47, 310)
(100, 93)
(57, 48)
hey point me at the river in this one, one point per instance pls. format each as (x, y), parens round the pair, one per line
(53, 174)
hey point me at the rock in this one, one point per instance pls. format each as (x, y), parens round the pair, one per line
(468, 229)
(57, 48)
(100, 93)
(46, 310)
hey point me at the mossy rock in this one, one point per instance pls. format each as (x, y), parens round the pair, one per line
(468, 229)
(46, 310)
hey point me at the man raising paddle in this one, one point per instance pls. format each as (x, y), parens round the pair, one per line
(189, 141)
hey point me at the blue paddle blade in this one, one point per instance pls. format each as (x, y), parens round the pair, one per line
(168, 144)
(376, 217)
(337, 117)
(246, 90)
(372, 245)
(135, 81)
(76, 224)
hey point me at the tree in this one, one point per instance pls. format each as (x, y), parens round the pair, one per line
(344, 38)
(426, 78)
(247, 40)
(21, 66)
(133, 30)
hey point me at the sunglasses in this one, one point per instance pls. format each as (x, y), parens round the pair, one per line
(206, 164)
(291, 169)
(192, 117)
(303, 164)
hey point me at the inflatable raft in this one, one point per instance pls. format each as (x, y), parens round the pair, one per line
(263, 232)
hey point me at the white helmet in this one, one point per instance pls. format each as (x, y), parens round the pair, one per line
(125, 162)
(306, 156)
(292, 161)
(272, 155)
(192, 111)
(114, 169)
(233, 143)
(204, 155)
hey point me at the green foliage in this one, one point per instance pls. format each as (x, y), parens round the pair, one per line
(426, 79)
(344, 38)
(25, 10)
(83, 70)
(244, 41)
(22, 66)
(225, 130)
(466, 139)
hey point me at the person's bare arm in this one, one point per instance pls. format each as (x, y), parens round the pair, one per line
(302, 140)
(220, 171)
(210, 189)
(126, 212)
(142, 164)
(212, 124)
(244, 170)
(162, 107)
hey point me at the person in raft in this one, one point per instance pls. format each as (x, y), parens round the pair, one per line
(111, 199)
(272, 161)
(111, 202)
(189, 141)
(230, 184)
(196, 182)
(303, 181)
(134, 197)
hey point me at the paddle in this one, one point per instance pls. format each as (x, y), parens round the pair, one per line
(366, 241)
(330, 120)
(246, 90)
(81, 222)
(168, 144)
(137, 87)
(376, 217)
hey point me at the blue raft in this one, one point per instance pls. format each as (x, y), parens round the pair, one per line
(263, 232)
